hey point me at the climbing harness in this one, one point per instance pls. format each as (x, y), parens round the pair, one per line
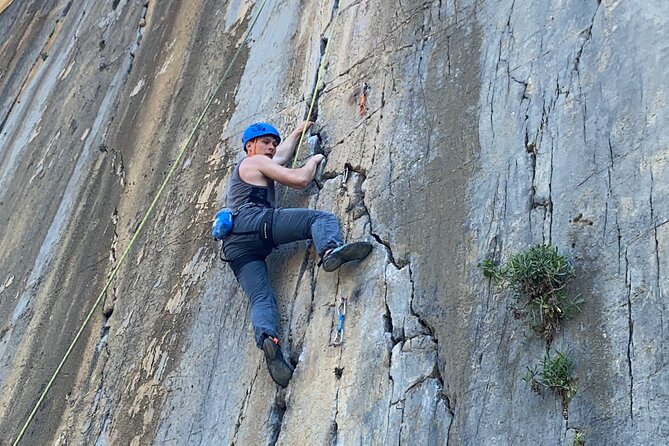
(137, 232)
(341, 315)
(264, 230)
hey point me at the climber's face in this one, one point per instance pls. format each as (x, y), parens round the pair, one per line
(263, 145)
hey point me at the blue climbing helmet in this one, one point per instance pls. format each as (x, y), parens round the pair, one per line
(257, 130)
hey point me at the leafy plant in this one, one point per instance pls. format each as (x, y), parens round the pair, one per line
(538, 277)
(579, 439)
(556, 374)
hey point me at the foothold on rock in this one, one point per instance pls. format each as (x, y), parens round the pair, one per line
(338, 372)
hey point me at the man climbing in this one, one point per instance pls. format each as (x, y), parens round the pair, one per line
(259, 226)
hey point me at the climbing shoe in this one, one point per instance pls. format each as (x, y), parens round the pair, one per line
(279, 369)
(346, 253)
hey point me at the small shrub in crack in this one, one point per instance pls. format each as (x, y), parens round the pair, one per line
(538, 277)
(556, 374)
(579, 440)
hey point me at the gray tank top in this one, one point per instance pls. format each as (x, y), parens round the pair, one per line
(240, 192)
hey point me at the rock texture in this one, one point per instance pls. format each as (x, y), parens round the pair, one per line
(488, 127)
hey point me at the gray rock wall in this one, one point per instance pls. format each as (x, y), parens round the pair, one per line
(489, 127)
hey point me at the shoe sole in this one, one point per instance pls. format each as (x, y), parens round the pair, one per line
(279, 369)
(346, 253)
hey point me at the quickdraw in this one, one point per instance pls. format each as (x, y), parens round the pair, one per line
(362, 99)
(344, 179)
(341, 315)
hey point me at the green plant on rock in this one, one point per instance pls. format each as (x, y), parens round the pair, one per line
(538, 277)
(555, 373)
(579, 439)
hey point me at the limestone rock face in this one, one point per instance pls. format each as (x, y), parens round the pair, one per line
(454, 131)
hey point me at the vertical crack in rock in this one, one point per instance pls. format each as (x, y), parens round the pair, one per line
(388, 317)
(609, 193)
(422, 321)
(300, 276)
(586, 34)
(657, 243)
(389, 251)
(242, 409)
(493, 219)
(358, 207)
(620, 237)
(9, 111)
(22, 88)
(378, 132)
(549, 208)
(100, 393)
(545, 202)
(419, 76)
(509, 33)
(316, 91)
(132, 50)
(277, 414)
(630, 342)
(436, 372)
(334, 427)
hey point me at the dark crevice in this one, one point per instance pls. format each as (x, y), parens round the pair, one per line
(318, 89)
(9, 112)
(276, 416)
(428, 137)
(586, 34)
(23, 85)
(492, 246)
(332, 434)
(657, 243)
(630, 342)
(297, 352)
(421, 320)
(549, 208)
(400, 404)
(242, 409)
(334, 427)
(398, 264)
(436, 373)
(387, 317)
(138, 40)
(357, 207)
(303, 269)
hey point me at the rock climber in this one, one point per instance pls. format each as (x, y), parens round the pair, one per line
(260, 226)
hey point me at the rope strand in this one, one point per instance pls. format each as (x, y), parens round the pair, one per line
(137, 232)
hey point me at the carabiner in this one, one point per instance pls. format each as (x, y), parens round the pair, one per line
(341, 315)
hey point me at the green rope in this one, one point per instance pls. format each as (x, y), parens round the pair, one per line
(319, 77)
(137, 232)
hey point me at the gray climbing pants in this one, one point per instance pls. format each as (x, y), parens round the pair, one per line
(247, 252)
